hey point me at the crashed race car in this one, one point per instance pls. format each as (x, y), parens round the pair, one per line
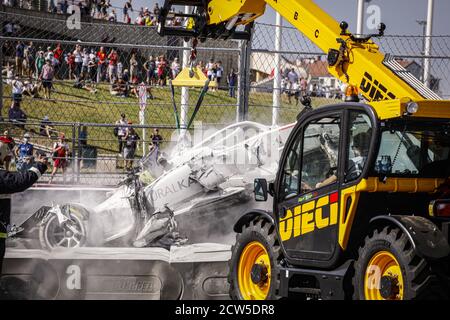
(195, 195)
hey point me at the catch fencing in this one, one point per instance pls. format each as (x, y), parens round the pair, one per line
(93, 98)
(309, 62)
(83, 98)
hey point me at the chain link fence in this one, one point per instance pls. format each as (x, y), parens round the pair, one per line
(91, 149)
(86, 94)
(87, 99)
(308, 62)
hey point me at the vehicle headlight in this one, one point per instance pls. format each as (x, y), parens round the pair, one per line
(412, 107)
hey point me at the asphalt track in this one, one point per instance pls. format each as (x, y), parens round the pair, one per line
(197, 271)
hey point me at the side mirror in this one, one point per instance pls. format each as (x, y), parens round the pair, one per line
(260, 189)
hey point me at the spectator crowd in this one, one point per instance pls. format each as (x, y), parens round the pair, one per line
(24, 153)
(32, 71)
(88, 66)
(99, 9)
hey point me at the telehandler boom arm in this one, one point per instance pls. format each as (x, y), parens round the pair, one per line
(353, 59)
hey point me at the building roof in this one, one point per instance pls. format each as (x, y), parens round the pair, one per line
(265, 61)
(317, 69)
(405, 63)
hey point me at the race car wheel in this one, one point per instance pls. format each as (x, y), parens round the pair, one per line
(388, 268)
(69, 235)
(254, 263)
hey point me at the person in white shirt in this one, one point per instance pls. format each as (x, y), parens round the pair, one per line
(112, 16)
(85, 63)
(119, 70)
(48, 53)
(293, 79)
(295, 92)
(78, 62)
(17, 89)
(219, 72)
(92, 55)
(121, 131)
(210, 70)
(175, 67)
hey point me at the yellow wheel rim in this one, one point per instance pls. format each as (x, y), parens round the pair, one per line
(253, 254)
(383, 264)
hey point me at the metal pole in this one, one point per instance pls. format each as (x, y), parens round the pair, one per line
(185, 90)
(144, 135)
(142, 93)
(426, 64)
(277, 72)
(244, 80)
(241, 71)
(360, 19)
(78, 155)
(423, 23)
(74, 147)
(247, 88)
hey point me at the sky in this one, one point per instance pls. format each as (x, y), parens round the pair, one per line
(400, 16)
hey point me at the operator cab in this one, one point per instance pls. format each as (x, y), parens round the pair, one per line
(197, 23)
(335, 151)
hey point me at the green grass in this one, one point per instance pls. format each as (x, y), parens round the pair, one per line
(79, 105)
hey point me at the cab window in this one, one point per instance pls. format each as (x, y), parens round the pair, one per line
(360, 133)
(414, 148)
(320, 153)
(290, 171)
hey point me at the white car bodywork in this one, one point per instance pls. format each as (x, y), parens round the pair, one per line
(199, 186)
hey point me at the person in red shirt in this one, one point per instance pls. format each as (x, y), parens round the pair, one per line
(60, 152)
(202, 67)
(57, 52)
(113, 59)
(6, 146)
(101, 58)
(162, 66)
(71, 64)
(58, 55)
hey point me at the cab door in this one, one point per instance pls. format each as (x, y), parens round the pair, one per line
(308, 191)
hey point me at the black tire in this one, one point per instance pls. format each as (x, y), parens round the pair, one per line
(46, 238)
(263, 232)
(419, 280)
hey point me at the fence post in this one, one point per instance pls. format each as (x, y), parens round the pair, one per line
(427, 51)
(276, 99)
(73, 151)
(78, 154)
(185, 90)
(360, 18)
(244, 79)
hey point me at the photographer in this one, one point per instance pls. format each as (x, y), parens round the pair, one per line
(12, 182)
